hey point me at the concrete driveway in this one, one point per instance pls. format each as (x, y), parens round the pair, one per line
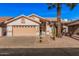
(33, 42)
(30, 46)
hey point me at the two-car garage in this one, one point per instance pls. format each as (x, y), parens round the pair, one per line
(28, 30)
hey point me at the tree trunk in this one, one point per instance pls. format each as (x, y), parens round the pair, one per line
(58, 20)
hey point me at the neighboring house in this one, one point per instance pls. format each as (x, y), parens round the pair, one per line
(0, 30)
(1, 23)
(74, 27)
(64, 26)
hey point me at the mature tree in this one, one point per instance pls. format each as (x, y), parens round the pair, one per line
(58, 5)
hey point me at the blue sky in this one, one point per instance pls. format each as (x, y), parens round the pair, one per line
(41, 9)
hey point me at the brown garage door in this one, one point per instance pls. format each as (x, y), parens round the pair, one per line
(24, 30)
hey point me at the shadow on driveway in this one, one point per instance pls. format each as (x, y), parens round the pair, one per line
(75, 37)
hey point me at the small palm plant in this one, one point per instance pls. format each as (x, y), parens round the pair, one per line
(58, 5)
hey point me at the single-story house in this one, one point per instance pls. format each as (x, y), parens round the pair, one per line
(74, 27)
(22, 25)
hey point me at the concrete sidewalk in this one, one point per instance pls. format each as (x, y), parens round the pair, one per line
(33, 42)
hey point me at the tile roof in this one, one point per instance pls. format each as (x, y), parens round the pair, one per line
(52, 19)
(41, 18)
(55, 19)
(34, 15)
(18, 17)
(3, 19)
(74, 23)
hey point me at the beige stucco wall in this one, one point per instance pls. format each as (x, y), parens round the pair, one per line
(0, 31)
(48, 29)
(9, 30)
(18, 22)
(66, 28)
(35, 18)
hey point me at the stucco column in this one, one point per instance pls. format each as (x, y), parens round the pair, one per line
(0, 31)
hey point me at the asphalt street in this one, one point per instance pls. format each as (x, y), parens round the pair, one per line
(39, 51)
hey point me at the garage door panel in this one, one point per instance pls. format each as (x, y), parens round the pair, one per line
(24, 31)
